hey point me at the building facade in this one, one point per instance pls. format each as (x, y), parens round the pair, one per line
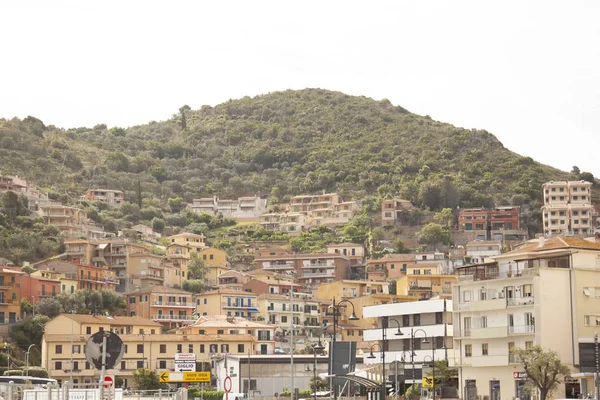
(112, 197)
(169, 307)
(246, 209)
(567, 208)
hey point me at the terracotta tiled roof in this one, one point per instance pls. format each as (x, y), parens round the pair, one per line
(116, 320)
(556, 243)
(166, 338)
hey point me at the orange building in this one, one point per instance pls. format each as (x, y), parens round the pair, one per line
(390, 267)
(168, 306)
(87, 276)
(112, 197)
(36, 288)
(10, 295)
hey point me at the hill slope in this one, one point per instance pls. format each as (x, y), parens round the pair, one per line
(281, 143)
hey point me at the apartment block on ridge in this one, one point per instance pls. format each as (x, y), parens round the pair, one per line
(568, 208)
(112, 197)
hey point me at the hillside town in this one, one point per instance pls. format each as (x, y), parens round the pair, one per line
(354, 317)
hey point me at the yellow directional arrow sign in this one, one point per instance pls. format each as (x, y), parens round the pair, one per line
(203, 376)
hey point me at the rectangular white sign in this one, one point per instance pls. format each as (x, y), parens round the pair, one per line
(185, 366)
(185, 357)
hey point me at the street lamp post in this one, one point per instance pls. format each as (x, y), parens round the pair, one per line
(27, 359)
(384, 325)
(316, 348)
(7, 355)
(433, 369)
(336, 307)
(413, 333)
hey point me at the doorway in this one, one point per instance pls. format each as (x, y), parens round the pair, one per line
(494, 390)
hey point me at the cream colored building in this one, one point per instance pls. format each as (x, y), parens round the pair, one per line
(425, 281)
(262, 334)
(568, 208)
(145, 346)
(232, 303)
(541, 294)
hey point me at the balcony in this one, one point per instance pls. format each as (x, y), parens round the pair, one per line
(520, 301)
(521, 330)
(238, 305)
(489, 332)
(320, 274)
(483, 305)
(278, 265)
(174, 304)
(320, 264)
(176, 318)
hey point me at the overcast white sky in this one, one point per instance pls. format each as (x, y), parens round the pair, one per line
(528, 72)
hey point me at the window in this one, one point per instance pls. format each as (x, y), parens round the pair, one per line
(484, 349)
(162, 364)
(439, 318)
(58, 350)
(220, 332)
(76, 349)
(123, 365)
(240, 348)
(163, 348)
(468, 350)
(484, 322)
(140, 364)
(190, 348)
(201, 348)
(416, 319)
(75, 365)
(427, 272)
(180, 348)
(140, 348)
(224, 348)
(58, 365)
(283, 318)
(528, 345)
(526, 290)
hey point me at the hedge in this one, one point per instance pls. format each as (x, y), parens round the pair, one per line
(194, 391)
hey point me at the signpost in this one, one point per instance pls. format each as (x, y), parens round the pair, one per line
(104, 350)
(227, 386)
(185, 362)
(189, 377)
(428, 382)
(109, 382)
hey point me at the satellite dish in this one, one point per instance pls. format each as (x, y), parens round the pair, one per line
(114, 349)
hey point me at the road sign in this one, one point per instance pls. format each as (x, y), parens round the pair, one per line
(109, 382)
(114, 349)
(227, 384)
(185, 366)
(202, 376)
(428, 382)
(185, 357)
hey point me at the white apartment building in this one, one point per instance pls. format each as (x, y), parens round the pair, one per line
(567, 208)
(480, 250)
(243, 209)
(431, 319)
(541, 294)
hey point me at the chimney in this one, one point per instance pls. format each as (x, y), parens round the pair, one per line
(541, 241)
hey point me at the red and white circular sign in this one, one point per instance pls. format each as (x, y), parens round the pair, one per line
(227, 384)
(108, 382)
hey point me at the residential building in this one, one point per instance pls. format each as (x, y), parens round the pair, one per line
(568, 208)
(223, 326)
(112, 197)
(39, 286)
(215, 260)
(392, 209)
(87, 276)
(233, 279)
(302, 311)
(144, 346)
(245, 209)
(504, 304)
(481, 250)
(290, 223)
(389, 267)
(324, 209)
(144, 270)
(425, 281)
(168, 306)
(194, 242)
(310, 269)
(232, 303)
(173, 276)
(72, 221)
(20, 186)
(10, 295)
(259, 286)
(498, 218)
(260, 252)
(419, 321)
(146, 234)
(354, 251)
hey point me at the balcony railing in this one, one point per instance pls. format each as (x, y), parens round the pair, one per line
(167, 317)
(174, 304)
(520, 301)
(244, 306)
(521, 329)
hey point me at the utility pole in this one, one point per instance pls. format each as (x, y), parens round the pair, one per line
(597, 358)
(292, 389)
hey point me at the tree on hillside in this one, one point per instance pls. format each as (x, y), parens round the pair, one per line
(432, 234)
(182, 111)
(445, 217)
(196, 268)
(544, 368)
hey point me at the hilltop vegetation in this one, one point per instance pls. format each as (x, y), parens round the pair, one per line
(280, 144)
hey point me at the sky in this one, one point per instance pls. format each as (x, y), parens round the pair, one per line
(525, 71)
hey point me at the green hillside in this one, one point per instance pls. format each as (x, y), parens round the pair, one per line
(278, 144)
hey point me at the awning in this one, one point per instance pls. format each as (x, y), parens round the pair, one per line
(252, 310)
(370, 385)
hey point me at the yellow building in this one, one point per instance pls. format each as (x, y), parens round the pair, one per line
(223, 326)
(232, 303)
(145, 270)
(195, 242)
(425, 281)
(168, 306)
(213, 257)
(144, 346)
